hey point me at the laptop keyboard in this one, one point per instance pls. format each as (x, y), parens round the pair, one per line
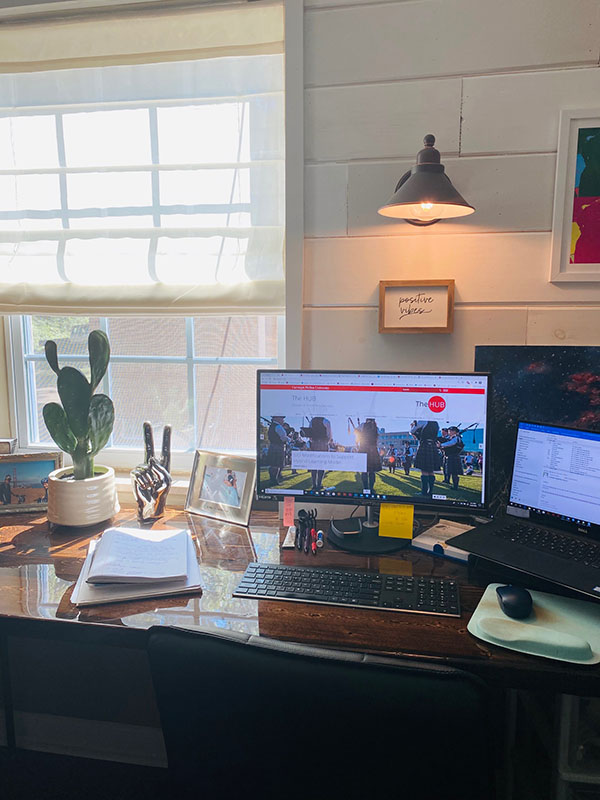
(547, 541)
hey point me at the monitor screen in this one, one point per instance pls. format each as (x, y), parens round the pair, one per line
(385, 437)
(557, 472)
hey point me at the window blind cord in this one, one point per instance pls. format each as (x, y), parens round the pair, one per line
(231, 196)
(214, 386)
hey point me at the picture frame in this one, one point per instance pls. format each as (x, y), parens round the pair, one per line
(575, 253)
(221, 486)
(416, 306)
(26, 490)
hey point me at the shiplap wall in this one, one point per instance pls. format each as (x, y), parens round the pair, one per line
(489, 80)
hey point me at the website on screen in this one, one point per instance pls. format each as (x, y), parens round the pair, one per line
(374, 436)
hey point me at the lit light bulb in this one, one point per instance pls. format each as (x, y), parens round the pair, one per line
(426, 206)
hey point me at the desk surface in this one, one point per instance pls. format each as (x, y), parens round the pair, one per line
(38, 570)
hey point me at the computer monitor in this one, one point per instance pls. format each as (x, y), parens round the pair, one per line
(373, 437)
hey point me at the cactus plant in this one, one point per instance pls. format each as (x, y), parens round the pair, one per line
(84, 422)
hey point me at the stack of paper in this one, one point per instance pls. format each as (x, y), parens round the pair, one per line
(127, 563)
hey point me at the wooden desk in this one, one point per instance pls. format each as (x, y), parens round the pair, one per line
(38, 570)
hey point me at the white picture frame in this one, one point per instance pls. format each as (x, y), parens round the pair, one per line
(221, 486)
(562, 269)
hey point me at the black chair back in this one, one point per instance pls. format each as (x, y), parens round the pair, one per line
(249, 717)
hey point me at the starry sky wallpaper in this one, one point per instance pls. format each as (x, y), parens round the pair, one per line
(560, 385)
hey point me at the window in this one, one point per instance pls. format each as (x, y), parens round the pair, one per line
(195, 373)
(146, 200)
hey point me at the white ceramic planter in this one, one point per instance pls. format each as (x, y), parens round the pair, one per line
(82, 503)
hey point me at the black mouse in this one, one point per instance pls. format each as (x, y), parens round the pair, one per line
(514, 601)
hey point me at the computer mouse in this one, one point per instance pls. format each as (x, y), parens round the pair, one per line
(514, 601)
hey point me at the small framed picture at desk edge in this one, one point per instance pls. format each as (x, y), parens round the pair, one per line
(24, 481)
(221, 486)
(416, 306)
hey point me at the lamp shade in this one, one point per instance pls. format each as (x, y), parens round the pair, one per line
(425, 193)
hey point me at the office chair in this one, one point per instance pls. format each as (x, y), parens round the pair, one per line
(247, 717)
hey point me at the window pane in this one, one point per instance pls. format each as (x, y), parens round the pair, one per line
(203, 134)
(211, 259)
(204, 187)
(35, 192)
(107, 138)
(153, 392)
(208, 405)
(107, 262)
(109, 189)
(109, 222)
(44, 386)
(235, 337)
(29, 261)
(226, 220)
(147, 336)
(28, 142)
(31, 224)
(226, 407)
(69, 333)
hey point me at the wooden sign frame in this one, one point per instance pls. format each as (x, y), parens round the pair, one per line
(420, 299)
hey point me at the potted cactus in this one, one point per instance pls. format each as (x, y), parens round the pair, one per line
(82, 494)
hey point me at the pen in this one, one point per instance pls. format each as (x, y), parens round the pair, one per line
(300, 535)
(306, 538)
(313, 546)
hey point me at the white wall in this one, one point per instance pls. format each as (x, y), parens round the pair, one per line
(489, 80)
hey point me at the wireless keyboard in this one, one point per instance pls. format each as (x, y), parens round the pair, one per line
(356, 589)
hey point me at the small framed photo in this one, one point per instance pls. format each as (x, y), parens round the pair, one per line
(24, 481)
(221, 486)
(416, 306)
(576, 218)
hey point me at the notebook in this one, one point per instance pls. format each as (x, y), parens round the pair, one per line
(89, 594)
(551, 528)
(131, 555)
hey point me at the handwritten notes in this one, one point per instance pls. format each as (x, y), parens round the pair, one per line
(414, 306)
(396, 520)
(288, 511)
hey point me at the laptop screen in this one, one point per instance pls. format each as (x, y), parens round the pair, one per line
(556, 472)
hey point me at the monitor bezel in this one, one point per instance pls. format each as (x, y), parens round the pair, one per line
(537, 515)
(448, 506)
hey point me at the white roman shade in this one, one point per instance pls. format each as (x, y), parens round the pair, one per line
(142, 163)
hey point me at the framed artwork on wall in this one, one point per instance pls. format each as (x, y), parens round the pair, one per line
(576, 218)
(416, 306)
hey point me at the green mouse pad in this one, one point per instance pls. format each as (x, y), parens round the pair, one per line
(558, 627)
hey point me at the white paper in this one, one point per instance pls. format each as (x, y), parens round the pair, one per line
(88, 594)
(129, 555)
(435, 539)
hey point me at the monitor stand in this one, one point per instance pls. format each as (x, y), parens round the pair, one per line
(361, 536)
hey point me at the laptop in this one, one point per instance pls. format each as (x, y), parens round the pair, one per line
(551, 528)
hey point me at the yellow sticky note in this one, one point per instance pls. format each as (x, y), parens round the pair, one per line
(396, 521)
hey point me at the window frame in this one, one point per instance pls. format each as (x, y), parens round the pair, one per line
(290, 333)
(22, 402)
